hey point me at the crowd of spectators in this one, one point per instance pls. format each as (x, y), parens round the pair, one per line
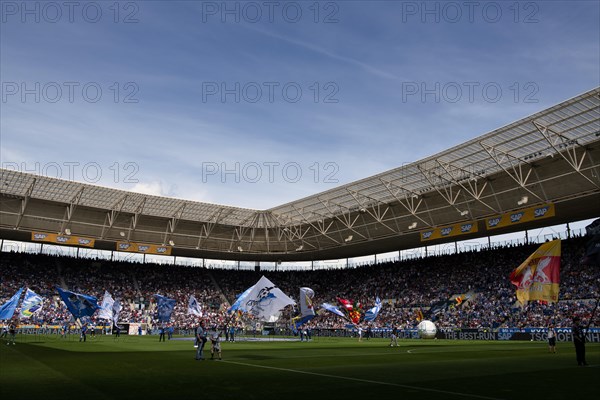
(407, 288)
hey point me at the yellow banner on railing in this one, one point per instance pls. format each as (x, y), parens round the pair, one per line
(449, 231)
(144, 248)
(520, 216)
(61, 239)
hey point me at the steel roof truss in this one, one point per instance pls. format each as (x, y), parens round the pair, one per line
(345, 218)
(112, 215)
(566, 148)
(472, 181)
(408, 202)
(516, 165)
(70, 209)
(320, 227)
(443, 183)
(135, 217)
(24, 202)
(172, 223)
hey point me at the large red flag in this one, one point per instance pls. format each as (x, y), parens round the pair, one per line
(537, 278)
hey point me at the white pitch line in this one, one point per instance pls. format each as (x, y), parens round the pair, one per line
(364, 380)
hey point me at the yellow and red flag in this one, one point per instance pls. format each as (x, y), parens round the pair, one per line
(538, 277)
(420, 315)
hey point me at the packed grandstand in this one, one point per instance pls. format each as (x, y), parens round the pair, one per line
(410, 290)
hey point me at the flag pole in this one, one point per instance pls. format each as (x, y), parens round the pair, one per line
(592, 316)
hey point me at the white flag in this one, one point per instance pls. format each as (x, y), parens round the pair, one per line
(265, 300)
(116, 309)
(307, 310)
(306, 304)
(106, 309)
(194, 307)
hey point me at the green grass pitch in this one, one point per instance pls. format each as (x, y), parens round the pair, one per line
(134, 367)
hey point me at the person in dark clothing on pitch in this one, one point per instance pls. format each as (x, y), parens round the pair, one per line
(579, 341)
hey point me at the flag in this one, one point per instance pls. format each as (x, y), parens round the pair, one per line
(307, 310)
(462, 298)
(265, 300)
(537, 278)
(165, 307)
(353, 310)
(116, 310)
(194, 307)
(438, 307)
(419, 316)
(334, 309)
(372, 313)
(239, 304)
(106, 308)
(110, 308)
(80, 305)
(7, 309)
(592, 247)
(32, 303)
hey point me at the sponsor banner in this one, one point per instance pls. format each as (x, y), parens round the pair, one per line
(449, 231)
(520, 216)
(133, 329)
(144, 248)
(62, 239)
(124, 329)
(529, 334)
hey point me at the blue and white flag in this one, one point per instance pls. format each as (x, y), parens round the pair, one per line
(240, 303)
(307, 310)
(80, 305)
(106, 308)
(266, 300)
(165, 307)
(116, 309)
(194, 307)
(32, 303)
(334, 309)
(7, 309)
(372, 313)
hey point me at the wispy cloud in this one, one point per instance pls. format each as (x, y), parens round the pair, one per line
(169, 140)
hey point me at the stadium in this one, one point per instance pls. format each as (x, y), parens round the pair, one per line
(445, 276)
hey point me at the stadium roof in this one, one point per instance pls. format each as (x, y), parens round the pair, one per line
(552, 156)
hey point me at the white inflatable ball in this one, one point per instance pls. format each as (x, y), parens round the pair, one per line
(427, 330)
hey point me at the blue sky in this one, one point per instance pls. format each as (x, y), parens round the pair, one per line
(346, 80)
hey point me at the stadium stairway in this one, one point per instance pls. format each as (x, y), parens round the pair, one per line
(224, 298)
